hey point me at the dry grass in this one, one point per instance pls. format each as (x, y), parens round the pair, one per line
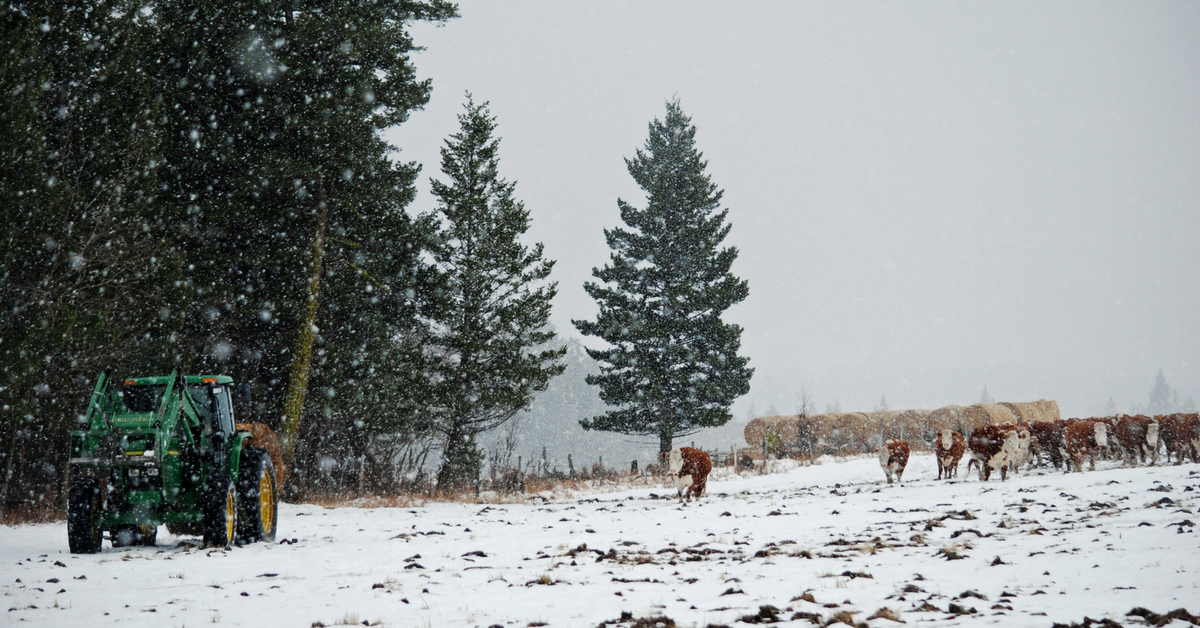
(39, 513)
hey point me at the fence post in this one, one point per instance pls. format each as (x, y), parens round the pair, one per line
(633, 467)
(545, 464)
(570, 465)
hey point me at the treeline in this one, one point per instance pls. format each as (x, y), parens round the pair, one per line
(202, 185)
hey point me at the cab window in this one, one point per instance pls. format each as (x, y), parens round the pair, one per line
(141, 398)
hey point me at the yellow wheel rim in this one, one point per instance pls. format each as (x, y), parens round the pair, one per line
(266, 501)
(230, 515)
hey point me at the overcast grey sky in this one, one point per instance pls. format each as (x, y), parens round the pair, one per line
(928, 197)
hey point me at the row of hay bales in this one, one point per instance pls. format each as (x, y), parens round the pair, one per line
(855, 432)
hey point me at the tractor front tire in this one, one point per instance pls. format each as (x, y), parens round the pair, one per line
(83, 511)
(258, 497)
(220, 512)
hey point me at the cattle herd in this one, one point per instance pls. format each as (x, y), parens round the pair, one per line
(1063, 443)
(1005, 447)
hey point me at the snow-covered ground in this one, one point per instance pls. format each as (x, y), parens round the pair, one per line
(814, 541)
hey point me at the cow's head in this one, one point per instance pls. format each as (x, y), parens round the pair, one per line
(947, 438)
(675, 462)
(1152, 434)
(1101, 431)
(1023, 441)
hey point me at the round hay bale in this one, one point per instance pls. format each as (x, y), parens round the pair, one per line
(784, 426)
(755, 431)
(758, 428)
(883, 423)
(1029, 411)
(989, 414)
(949, 417)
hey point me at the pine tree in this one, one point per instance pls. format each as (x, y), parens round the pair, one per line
(985, 397)
(283, 196)
(85, 278)
(672, 366)
(1161, 399)
(490, 333)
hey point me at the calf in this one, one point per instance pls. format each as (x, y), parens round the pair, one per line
(1180, 434)
(994, 447)
(1137, 438)
(690, 468)
(893, 457)
(1085, 437)
(949, 447)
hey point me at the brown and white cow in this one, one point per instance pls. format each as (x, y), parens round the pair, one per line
(1023, 453)
(1109, 451)
(995, 447)
(1191, 430)
(893, 457)
(690, 468)
(949, 447)
(1046, 437)
(1085, 437)
(1137, 438)
(1180, 434)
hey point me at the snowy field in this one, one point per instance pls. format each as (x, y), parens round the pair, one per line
(807, 544)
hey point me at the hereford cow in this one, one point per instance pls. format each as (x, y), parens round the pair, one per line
(1024, 442)
(893, 457)
(1085, 437)
(690, 468)
(1109, 451)
(995, 447)
(1180, 434)
(1137, 438)
(949, 448)
(1046, 437)
(1191, 430)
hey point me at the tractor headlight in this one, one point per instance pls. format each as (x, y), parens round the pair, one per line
(133, 473)
(152, 472)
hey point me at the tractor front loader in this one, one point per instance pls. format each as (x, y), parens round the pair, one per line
(166, 450)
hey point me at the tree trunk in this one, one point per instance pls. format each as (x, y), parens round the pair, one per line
(665, 437)
(302, 355)
(449, 470)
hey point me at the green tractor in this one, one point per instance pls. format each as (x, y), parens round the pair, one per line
(166, 450)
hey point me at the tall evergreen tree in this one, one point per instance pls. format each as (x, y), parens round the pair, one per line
(672, 366)
(491, 334)
(283, 195)
(86, 279)
(1161, 401)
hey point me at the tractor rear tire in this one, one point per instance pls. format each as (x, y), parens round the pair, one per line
(84, 535)
(258, 497)
(219, 512)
